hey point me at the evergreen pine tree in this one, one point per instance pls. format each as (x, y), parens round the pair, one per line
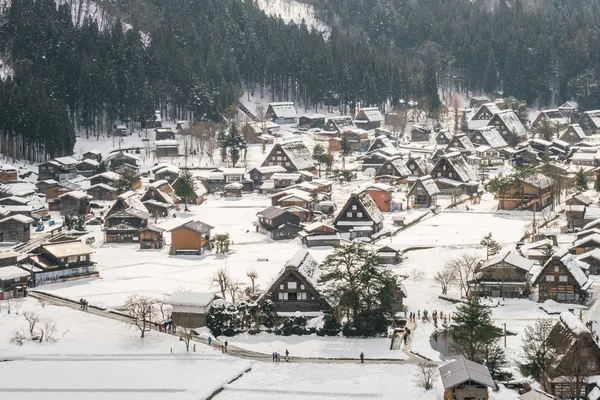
(223, 143)
(184, 187)
(464, 124)
(581, 181)
(235, 142)
(490, 75)
(492, 246)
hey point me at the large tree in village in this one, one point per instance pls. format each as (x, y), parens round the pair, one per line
(360, 289)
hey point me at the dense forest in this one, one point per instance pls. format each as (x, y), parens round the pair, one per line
(546, 50)
(199, 56)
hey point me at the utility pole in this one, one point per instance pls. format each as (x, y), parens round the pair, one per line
(505, 335)
(533, 227)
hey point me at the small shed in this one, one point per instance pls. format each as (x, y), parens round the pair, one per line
(234, 190)
(191, 308)
(464, 379)
(167, 148)
(151, 237)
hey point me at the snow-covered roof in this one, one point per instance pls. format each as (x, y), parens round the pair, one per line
(342, 123)
(512, 122)
(573, 265)
(573, 323)
(102, 186)
(233, 171)
(192, 299)
(592, 224)
(66, 160)
(7, 167)
(535, 394)
(378, 186)
(491, 107)
(299, 154)
(492, 137)
(569, 105)
(594, 116)
(283, 110)
(371, 113)
(76, 194)
(554, 117)
(166, 143)
(594, 238)
(595, 254)
(306, 265)
(132, 200)
(429, 185)
(270, 169)
(294, 176)
(511, 258)
(369, 205)
(89, 161)
(463, 370)
(23, 219)
(443, 133)
(196, 226)
(15, 199)
(576, 129)
(168, 169)
(234, 185)
(463, 140)
(591, 213)
(463, 170)
(12, 272)
(109, 175)
(317, 225)
(539, 180)
(65, 249)
(297, 196)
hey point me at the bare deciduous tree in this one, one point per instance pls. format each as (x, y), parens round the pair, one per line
(464, 267)
(18, 338)
(140, 309)
(425, 375)
(185, 332)
(235, 290)
(444, 279)
(222, 279)
(32, 318)
(253, 275)
(48, 328)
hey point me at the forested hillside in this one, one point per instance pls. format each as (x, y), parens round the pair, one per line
(199, 55)
(546, 49)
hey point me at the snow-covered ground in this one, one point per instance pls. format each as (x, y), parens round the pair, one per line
(96, 357)
(293, 11)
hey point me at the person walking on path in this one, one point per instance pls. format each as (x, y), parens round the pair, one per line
(274, 356)
(209, 340)
(223, 349)
(287, 355)
(226, 346)
(362, 357)
(81, 303)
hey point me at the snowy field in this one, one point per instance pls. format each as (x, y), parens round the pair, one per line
(95, 357)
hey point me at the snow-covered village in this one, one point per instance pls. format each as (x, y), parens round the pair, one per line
(346, 218)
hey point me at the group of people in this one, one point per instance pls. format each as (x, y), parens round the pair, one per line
(223, 346)
(406, 334)
(428, 318)
(277, 356)
(83, 304)
(167, 327)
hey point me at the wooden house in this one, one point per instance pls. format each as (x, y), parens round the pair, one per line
(585, 243)
(282, 113)
(488, 136)
(504, 275)
(191, 308)
(151, 237)
(482, 116)
(166, 148)
(160, 192)
(282, 180)
(478, 101)
(182, 125)
(590, 122)
(193, 237)
(107, 178)
(357, 139)
(233, 190)
(15, 228)
(382, 195)
(339, 124)
(168, 173)
(419, 166)
(579, 199)
(93, 155)
(320, 234)
(304, 200)
(443, 137)
(260, 174)
(573, 134)
(454, 167)
(102, 192)
(553, 117)
(375, 159)
(592, 258)
(419, 133)
(534, 192)
(124, 226)
(8, 173)
(577, 359)
(537, 251)
(125, 201)
(164, 134)
(87, 168)
(569, 109)
(41, 186)
(278, 223)
(120, 158)
(74, 203)
(390, 254)
(526, 157)
(563, 279)
(423, 193)
(466, 380)
(393, 171)
(8, 257)
(506, 122)
(360, 216)
(59, 169)
(461, 143)
(536, 394)
(295, 289)
(13, 282)
(312, 121)
(368, 118)
(292, 155)
(62, 261)
(382, 142)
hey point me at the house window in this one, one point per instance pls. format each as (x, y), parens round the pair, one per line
(302, 287)
(281, 295)
(450, 174)
(563, 278)
(443, 167)
(71, 259)
(354, 208)
(349, 214)
(549, 278)
(359, 215)
(556, 268)
(303, 296)
(411, 166)
(439, 174)
(389, 166)
(281, 287)
(292, 296)
(292, 285)
(288, 164)
(82, 258)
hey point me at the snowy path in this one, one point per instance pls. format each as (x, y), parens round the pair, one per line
(232, 350)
